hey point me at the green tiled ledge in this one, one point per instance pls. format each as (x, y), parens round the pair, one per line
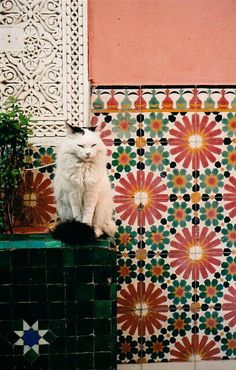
(19, 241)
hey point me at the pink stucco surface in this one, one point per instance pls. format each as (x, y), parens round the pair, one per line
(162, 41)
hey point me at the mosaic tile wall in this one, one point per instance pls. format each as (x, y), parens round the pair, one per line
(172, 160)
(57, 307)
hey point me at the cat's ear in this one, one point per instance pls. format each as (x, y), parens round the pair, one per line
(96, 128)
(73, 130)
(93, 128)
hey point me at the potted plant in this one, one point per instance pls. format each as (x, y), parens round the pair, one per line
(14, 134)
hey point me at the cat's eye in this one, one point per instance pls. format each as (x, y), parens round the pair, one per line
(81, 146)
(94, 145)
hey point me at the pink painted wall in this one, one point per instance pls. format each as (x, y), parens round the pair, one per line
(162, 41)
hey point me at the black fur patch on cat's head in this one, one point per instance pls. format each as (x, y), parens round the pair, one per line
(91, 128)
(79, 130)
(74, 130)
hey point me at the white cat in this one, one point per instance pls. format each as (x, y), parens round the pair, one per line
(82, 187)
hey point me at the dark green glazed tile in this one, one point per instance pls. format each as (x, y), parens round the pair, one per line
(68, 257)
(37, 257)
(102, 326)
(103, 343)
(38, 293)
(37, 275)
(71, 344)
(56, 310)
(55, 275)
(58, 327)
(85, 343)
(56, 293)
(84, 327)
(5, 311)
(57, 346)
(85, 309)
(84, 292)
(84, 274)
(102, 292)
(83, 257)
(54, 257)
(20, 293)
(85, 361)
(102, 275)
(57, 362)
(102, 360)
(102, 309)
(5, 293)
(5, 260)
(102, 257)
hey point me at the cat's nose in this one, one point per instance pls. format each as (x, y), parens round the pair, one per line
(88, 154)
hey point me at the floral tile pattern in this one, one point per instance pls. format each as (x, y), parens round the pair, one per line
(172, 161)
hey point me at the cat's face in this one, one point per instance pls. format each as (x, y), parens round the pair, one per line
(84, 143)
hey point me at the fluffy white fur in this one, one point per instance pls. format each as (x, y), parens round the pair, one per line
(82, 187)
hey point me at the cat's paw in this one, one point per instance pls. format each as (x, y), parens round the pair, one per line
(98, 232)
(110, 228)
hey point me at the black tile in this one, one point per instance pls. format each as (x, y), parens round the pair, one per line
(5, 293)
(5, 311)
(38, 293)
(41, 363)
(57, 346)
(70, 292)
(5, 276)
(57, 362)
(70, 327)
(102, 360)
(55, 275)
(84, 274)
(55, 257)
(56, 293)
(102, 291)
(84, 327)
(5, 260)
(38, 311)
(69, 275)
(6, 362)
(102, 275)
(85, 361)
(56, 310)
(37, 257)
(83, 256)
(20, 258)
(20, 293)
(102, 326)
(21, 275)
(85, 343)
(21, 311)
(37, 275)
(85, 309)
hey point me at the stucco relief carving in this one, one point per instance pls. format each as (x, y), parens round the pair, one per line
(40, 74)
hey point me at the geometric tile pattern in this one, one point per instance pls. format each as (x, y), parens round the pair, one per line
(171, 161)
(58, 308)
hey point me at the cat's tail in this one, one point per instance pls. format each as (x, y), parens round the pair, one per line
(74, 232)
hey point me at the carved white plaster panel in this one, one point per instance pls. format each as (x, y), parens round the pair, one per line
(47, 74)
